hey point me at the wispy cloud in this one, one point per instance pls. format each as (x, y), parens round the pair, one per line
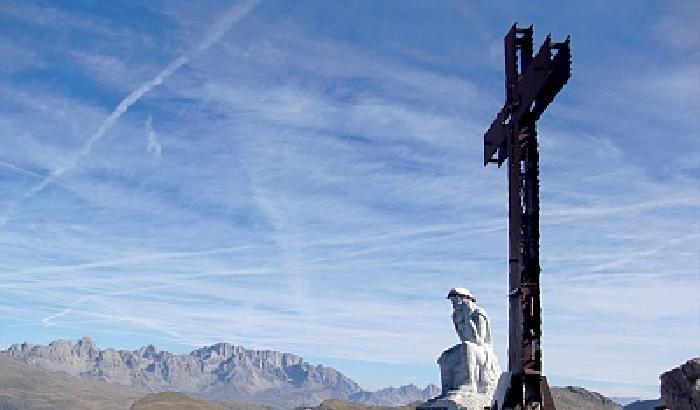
(152, 145)
(219, 28)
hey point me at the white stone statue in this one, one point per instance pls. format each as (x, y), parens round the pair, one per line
(471, 321)
(469, 371)
(474, 330)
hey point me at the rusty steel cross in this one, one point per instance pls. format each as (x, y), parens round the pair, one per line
(532, 82)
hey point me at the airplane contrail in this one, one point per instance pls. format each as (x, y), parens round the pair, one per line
(214, 34)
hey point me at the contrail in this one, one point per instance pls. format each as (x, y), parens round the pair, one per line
(125, 260)
(48, 320)
(214, 34)
(20, 169)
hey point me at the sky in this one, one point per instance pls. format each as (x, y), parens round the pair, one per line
(307, 176)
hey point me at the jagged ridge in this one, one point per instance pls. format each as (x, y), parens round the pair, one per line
(218, 372)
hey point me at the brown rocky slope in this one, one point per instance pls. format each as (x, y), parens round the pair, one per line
(24, 387)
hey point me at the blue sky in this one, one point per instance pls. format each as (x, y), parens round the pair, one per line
(307, 176)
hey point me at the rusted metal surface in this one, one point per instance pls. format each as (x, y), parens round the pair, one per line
(529, 92)
(532, 82)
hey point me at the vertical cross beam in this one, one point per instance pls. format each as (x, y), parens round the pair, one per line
(512, 150)
(532, 82)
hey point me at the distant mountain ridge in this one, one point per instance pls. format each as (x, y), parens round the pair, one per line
(29, 387)
(643, 404)
(624, 400)
(218, 372)
(396, 396)
(228, 374)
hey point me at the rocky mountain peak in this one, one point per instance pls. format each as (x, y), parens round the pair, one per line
(218, 372)
(221, 371)
(148, 352)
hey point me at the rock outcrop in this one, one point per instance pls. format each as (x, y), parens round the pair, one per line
(218, 372)
(680, 387)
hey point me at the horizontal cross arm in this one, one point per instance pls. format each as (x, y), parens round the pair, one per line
(560, 72)
(531, 83)
(496, 137)
(535, 90)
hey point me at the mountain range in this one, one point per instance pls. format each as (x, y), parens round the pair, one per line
(218, 372)
(64, 375)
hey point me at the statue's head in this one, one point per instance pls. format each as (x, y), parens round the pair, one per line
(461, 296)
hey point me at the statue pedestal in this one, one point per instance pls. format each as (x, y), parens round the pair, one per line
(469, 373)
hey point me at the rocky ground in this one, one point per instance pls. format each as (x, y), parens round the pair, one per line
(347, 405)
(23, 387)
(173, 401)
(579, 398)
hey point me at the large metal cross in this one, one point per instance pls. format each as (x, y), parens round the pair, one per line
(532, 82)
